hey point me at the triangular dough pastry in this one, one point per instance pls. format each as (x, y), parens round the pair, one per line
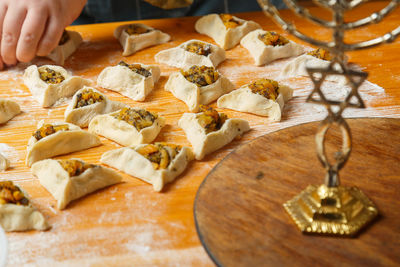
(128, 126)
(156, 164)
(198, 86)
(58, 138)
(71, 179)
(209, 130)
(277, 47)
(50, 83)
(263, 97)
(136, 36)
(225, 29)
(68, 44)
(192, 52)
(8, 110)
(318, 58)
(134, 80)
(88, 103)
(16, 212)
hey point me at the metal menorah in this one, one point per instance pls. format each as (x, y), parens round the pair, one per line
(331, 208)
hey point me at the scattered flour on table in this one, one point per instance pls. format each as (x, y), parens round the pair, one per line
(146, 241)
(88, 243)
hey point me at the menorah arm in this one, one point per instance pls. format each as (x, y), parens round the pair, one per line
(387, 38)
(301, 11)
(373, 18)
(274, 13)
(355, 3)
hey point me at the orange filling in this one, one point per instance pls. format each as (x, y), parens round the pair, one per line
(160, 154)
(88, 97)
(210, 119)
(272, 38)
(321, 54)
(51, 76)
(139, 118)
(136, 68)
(12, 194)
(229, 21)
(265, 87)
(48, 129)
(201, 76)
(135, 29)
(198, 48)
(74, 167)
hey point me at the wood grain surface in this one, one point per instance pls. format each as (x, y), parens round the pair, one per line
(239, 210)
(129, 223)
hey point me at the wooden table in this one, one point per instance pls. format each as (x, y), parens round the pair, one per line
(130, 224)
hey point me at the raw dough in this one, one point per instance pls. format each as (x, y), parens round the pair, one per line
(4, 163)
(297, 67)
(127, 82)
(180, 58)
(66, 188)
(59, 143)
(8, 110)
(20, 217)
(244, 100)
(46, 93)
(205, 143)
(213, 26)
(263, 54)
(194, 95)
(133, 43)
(63, 51)
(133, 163)
(123, 132)
(81, 116)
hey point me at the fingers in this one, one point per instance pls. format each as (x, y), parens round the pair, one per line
(3, 10)
(12, 23)
(31, 32)
(51, 35)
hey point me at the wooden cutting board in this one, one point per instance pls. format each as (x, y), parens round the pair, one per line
(129, 222)
(239, 210)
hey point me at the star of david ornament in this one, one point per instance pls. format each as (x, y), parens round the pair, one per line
(332, 208)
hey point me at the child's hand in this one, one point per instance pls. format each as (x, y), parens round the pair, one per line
(33, 27)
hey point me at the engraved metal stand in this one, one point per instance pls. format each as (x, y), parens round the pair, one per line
(331, 208)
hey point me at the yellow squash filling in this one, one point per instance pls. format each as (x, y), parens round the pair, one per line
(273, 38)
(136, 68)
(12, 194)
(210, 119)
(48, 129)
(64, 38)
(74, 167)
(51, 76)
(135, 29)
(139, 118)
(229, 21)
(321, 54)
(265, 87)
(88, 97)
(201, 76)
(160, 154)
(198, 48)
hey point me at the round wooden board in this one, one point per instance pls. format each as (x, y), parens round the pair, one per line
(238, 208)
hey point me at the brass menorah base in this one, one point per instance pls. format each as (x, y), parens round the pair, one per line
(331, 210)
